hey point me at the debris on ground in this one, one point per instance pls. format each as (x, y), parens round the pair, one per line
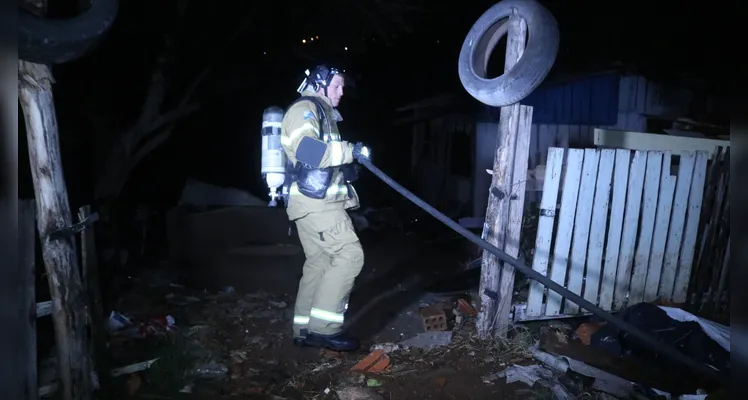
(376, 362)
(211, 344)
(703, 340)
(428, 340)
(358, 393)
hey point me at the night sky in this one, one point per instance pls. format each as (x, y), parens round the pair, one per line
(397, 51)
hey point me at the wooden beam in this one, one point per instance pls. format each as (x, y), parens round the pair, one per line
(516, 214)
(53, 215)
(499, 198)
(26, 364)
(652, 141)
(97, 344)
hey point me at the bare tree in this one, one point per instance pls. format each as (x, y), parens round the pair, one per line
(155, 125)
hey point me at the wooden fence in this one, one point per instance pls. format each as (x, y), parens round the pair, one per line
(34, 309)
(625, 231)
(708, 290)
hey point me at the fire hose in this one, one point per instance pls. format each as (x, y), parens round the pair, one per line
(651, 342)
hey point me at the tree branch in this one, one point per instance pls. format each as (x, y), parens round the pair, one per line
(168, 118)
(157, 91)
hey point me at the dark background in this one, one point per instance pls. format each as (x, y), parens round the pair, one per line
(399, 51)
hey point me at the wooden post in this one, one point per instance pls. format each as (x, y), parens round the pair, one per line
(53, 213)
(499, 199)
(97, 345)
(27, 299)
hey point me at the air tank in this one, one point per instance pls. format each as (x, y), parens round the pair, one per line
(273, 157)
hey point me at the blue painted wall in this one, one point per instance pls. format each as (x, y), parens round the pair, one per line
(591, 100)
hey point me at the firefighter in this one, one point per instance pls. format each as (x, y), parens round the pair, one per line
(322, 170)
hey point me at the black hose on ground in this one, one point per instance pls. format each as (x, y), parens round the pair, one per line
(653, 343)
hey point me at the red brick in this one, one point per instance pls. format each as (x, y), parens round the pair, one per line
(433, 319)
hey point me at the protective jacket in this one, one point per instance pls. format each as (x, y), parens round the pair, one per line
(316, 153)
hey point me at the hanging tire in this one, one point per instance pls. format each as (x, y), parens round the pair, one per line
(535, 63)
(50, 41)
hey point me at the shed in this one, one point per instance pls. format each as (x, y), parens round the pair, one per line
(565, 114)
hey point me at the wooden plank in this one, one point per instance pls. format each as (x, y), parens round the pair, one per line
(719, 247)
(685, 263)
(710, 212)
(126, 370)
(652, 180)
(516, 212)
(598, 225)
(613, 246)
(678, 145)
(630, 227)
(548, 201)
(25, 382)
(659, 238)
(497, 213)
(641, 95)
(97, 345)
(574, 161)
(724, 272)
(545, 140)
(53, 213)
(582, 226)
(677, 220)
(563, 136)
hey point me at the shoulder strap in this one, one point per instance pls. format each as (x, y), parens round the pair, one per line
(317, 105)
(323, 121)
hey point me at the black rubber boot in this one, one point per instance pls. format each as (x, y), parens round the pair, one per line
(300, 341)
(336, 342)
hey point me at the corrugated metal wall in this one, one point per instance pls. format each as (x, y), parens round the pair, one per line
(565, 115)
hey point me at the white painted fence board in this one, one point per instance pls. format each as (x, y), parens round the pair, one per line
(582, 226)
(677, 221)
(548, 202)
(685, 264)
(652, 180)
(612, 250)
(630, 227)
(574, 162)
(598, 224)
(659, 238)
(651, 235)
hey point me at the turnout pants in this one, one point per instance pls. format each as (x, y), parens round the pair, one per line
(334, 258)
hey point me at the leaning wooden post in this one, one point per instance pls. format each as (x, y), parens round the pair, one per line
(89, 256)
(500, 195)
(54, 222)
(27, 299)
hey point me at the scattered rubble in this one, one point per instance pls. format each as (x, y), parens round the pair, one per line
(225, 342)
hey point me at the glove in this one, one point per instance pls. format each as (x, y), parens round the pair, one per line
(361, 152)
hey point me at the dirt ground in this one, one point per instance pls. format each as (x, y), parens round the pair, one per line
(177, 341)
(234, 344)
(239, 344)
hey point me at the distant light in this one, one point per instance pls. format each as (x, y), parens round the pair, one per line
(303, 40)
(346, 48)
(265, 52)
(316, 37)
(312, 39)
(437, 42)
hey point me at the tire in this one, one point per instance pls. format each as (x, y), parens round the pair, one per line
(48, 41)
(534, 65)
